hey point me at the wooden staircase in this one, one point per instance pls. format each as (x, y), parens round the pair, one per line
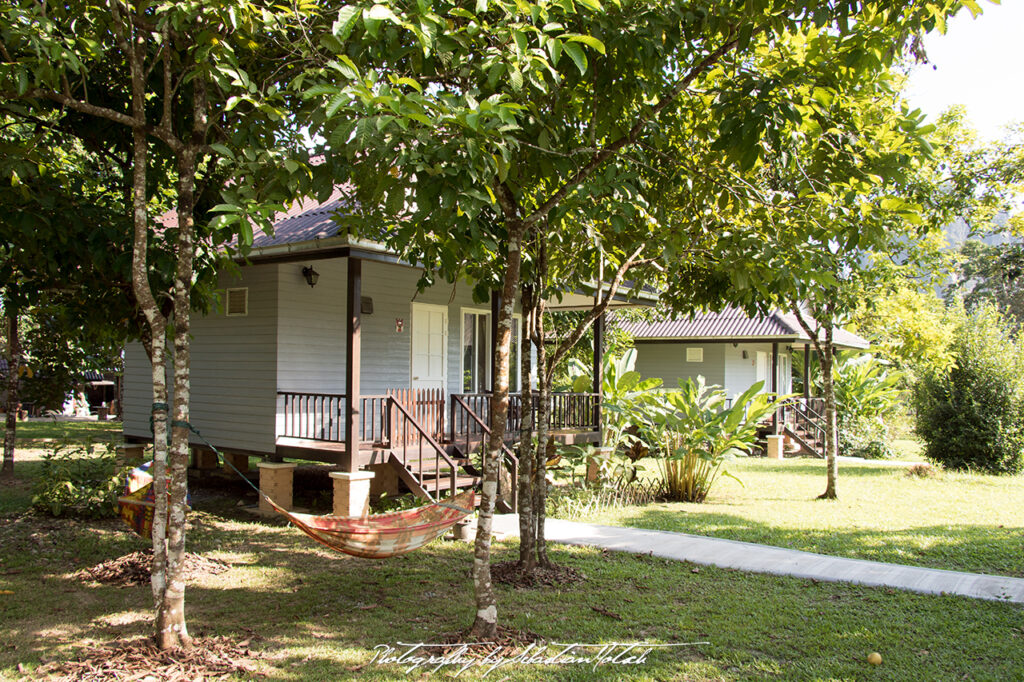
(803, 424)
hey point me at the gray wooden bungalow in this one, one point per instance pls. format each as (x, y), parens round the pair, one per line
(322, 349)
(735, 350)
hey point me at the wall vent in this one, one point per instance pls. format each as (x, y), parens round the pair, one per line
(237, 303)
(695, 355)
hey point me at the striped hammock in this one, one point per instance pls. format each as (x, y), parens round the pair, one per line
(380, 536)
(377, 536)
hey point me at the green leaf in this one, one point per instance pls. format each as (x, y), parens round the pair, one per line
(577, 55)
(589, 41)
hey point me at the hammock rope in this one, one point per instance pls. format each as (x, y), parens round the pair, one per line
(377, 536)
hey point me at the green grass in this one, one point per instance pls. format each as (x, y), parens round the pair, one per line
(967, 522)
(317, 615)
(43, 430)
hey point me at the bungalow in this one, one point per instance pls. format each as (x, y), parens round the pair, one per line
(734, 350)
(322, 349)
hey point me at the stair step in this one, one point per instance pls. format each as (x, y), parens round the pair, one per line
(431, 484)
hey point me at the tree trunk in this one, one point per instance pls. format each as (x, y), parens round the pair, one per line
(172, 630)
(13, 384)
(543, 424)
(527, 538)
(486, 623)
(826, 356)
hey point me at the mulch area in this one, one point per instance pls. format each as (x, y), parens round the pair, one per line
(133, 569)
(209, 658)
(508, 641)
(511, 573)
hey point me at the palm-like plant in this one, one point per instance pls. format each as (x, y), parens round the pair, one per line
(698, 433)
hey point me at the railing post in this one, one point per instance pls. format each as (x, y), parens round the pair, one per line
(354, 360)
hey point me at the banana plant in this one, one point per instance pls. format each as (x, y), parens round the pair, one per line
(698, 432)
(625, 396)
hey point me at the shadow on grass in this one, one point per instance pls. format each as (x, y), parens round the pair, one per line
(973, 548)
(318, 615)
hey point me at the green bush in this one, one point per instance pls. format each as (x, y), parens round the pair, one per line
(80, 480)
(865, 437)
(697, 434)
(971, 416)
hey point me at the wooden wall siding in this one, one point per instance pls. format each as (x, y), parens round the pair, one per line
(311, 337)
(234, 370)
(667, 361)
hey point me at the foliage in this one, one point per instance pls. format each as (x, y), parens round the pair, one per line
(992, 274)
(971, 416)
(908, 325)
(80, 480)
(624, 395)
(579, 501)
(867, 393)
(697, 433)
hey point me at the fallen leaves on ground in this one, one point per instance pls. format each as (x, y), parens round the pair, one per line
(133, 569)
(512, 573)
(139, 659)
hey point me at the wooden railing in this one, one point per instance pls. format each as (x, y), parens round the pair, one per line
(321, 416)
(568, 411)
(462, 411)
(807, 415)
(412, 437)
(314, 416)
(426, 405)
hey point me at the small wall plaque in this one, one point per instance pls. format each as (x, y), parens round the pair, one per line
(399, 324)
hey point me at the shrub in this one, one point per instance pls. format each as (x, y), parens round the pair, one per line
(697, 434)
(867, 438)
(80, 480)
(971, 416)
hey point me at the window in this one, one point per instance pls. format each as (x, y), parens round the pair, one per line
(476, 352)
(237, 303)
(695, 355)
(476, 334)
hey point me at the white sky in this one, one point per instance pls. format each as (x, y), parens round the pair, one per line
(978, 63)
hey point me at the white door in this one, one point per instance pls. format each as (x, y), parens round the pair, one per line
(785, 373)
(429, 346)
(763, 370)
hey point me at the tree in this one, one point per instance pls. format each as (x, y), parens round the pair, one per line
(469, 127)
(971, 415)
(61, 210)
(202, 87)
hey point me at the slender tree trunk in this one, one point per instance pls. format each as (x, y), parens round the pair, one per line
(543, 428)
(13, 384)
(527, 558)
(827, 358)
(486, 623)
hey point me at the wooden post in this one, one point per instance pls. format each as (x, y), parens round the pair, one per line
(495, 307)
(775, 384)
(353, 360)
(807, 371)
(598, 369)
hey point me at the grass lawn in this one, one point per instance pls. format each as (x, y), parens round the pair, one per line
(44, 430)
(966, 522)
(317, 615)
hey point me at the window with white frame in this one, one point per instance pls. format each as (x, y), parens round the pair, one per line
(476, 352)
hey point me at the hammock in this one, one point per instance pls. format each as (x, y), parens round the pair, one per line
(380, 536)
(137, 503)
(377, 536)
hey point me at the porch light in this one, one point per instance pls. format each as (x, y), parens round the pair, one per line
(311, 275)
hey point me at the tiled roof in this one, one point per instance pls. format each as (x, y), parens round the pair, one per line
(731, 323)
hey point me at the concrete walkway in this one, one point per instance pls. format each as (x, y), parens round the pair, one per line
(747, 556)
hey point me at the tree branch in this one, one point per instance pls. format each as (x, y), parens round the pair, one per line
(595, 312)
(612, 148)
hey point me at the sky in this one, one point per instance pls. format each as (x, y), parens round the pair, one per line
(978, 63)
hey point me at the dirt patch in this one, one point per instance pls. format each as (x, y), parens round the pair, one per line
(511, 573)
(133, 569)
(139, 659)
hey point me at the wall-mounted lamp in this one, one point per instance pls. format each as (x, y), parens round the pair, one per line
(311, 275)
(746, 355)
